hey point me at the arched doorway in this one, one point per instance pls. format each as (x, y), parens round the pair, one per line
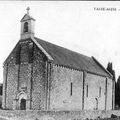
(23, 104)
(22, 101)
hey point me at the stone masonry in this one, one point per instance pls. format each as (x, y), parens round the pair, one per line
(25, 77)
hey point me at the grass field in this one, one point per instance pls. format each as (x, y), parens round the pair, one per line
(59, 115)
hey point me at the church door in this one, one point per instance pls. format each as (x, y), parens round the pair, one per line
(22, 104)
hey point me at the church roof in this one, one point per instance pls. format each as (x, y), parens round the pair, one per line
(71, 59)
(27, 17)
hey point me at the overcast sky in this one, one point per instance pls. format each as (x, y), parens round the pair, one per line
(74, 25)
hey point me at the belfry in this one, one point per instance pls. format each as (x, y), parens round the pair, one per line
(27, 26)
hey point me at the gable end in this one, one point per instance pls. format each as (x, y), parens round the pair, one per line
(102, 67)
(42, 49)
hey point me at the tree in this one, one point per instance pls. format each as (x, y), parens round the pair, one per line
(110, 69)
(117, 87)
(117, 92)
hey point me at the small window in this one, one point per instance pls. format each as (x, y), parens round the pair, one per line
(71, 88)
(87, 91)
(99, 91)
(25, 27)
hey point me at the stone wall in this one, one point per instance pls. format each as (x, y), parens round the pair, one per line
(61, 97)
(10, 77)
(11, 88)
(25, 75)
(109, 94)
(96, 92)
(39, 80)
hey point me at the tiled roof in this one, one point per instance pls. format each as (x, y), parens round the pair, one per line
(68, 58)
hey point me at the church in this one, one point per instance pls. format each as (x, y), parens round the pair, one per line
(39, 75)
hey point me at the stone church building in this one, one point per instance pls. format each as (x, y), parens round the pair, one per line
(39, 75)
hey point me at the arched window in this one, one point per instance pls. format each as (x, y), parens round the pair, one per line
(25, 27)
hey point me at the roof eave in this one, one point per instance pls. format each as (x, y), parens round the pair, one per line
(102, 67)
(5, 62)
(43, 50)
(27, 19)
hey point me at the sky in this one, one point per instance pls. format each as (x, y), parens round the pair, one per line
(75, 25)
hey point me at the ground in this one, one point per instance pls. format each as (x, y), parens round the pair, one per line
(58, 115)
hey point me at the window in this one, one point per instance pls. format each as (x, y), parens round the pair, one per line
(87, 91)
(25, 27)
(71, 88)
(99, 91)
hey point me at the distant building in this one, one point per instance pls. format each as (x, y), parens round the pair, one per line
(42, 76)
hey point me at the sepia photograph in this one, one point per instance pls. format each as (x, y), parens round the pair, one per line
(59, 60)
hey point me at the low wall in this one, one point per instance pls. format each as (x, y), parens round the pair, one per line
(55, 115)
